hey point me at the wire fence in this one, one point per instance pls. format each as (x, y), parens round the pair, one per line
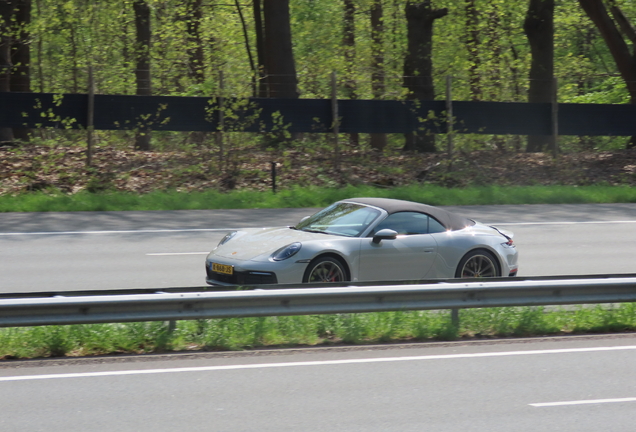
(343, 114)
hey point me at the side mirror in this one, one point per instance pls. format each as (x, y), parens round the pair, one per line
(384, 234)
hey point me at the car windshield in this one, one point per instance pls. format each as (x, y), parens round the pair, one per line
(345, 219)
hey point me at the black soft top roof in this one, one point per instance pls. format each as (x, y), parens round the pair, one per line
(451, 221)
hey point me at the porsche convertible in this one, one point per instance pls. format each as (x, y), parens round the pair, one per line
(364, 239)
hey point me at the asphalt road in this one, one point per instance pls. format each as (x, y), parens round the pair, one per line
(568, 385)
(109, 250)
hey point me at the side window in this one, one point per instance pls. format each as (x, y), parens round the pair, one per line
(434, 226)
(405, 223)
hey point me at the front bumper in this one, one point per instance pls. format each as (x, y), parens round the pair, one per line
(255, 272)
(240, 278)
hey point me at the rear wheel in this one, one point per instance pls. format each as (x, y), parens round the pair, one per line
(478, 264)
(325, 269)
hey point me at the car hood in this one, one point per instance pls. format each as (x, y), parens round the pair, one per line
(250, 243)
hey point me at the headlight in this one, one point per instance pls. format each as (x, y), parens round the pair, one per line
(227, 238)
(286, 252)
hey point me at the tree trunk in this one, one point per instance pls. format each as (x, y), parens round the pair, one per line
(253, 67)
(196, 66)
(418, 65)
(609, 29)
(142, 73)
(21, 57)
(5, 63)
(377, 141)
(6, 11)
(472, 45)
(539, 29)
(279, 57)
(349, 49)
(6, 133)
(20, 53)
(260, 47)
(196, 61)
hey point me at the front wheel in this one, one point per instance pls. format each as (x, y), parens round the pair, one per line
(325, 269)
(478, 264)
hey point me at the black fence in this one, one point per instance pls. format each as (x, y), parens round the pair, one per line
(172, 113)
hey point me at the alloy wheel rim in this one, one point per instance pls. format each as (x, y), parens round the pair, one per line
(326, 272)
(479, 266)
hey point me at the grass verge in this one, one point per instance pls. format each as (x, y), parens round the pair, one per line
(314, 197)
(315, 330)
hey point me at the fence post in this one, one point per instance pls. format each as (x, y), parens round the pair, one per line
(90, 117)
(555, 119)
(273, 176)
(335, 121)
(218, 137)
(449, 117)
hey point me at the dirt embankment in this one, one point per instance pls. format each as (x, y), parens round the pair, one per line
(33, 168)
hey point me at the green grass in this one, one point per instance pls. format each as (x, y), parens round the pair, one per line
(315, 330)
(314, 197)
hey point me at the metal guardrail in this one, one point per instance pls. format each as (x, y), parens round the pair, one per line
(298, 300)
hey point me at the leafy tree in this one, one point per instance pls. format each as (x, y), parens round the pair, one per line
(472, 46)
(142, 71)
(6, 12)
(21, 56)
(349, 47)
(616, 30)
(20, 48)
(377, 141)
(15, 55)
(349, 50)
(196, 61)
(259, 31)
(481, 43)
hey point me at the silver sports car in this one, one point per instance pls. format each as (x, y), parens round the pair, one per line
(364, 239)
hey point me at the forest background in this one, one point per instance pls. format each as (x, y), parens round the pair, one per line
(492, 50)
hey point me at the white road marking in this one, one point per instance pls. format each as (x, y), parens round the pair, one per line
(151, 231)
(143, 231)
(494, 224)
(177, 253)
(312, 363)
(583, 402)
(563, 223)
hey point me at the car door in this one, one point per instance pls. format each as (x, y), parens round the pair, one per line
(409, 256)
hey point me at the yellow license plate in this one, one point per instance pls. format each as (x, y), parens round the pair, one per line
(222, 268)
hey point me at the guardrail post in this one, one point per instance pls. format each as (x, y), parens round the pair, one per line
(172, 326)
(455, 318)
